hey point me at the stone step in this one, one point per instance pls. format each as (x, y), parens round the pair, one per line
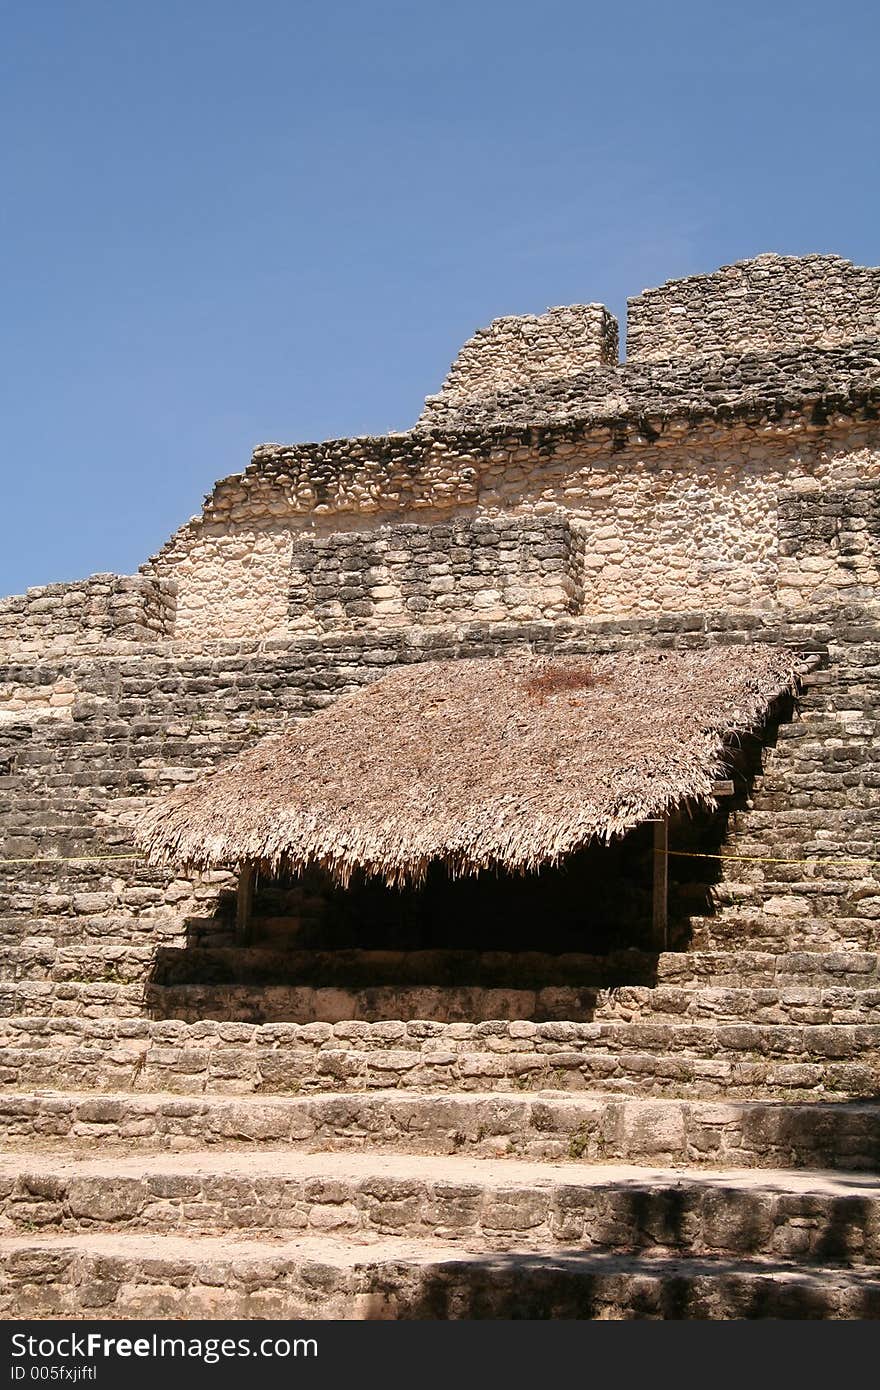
(836, 1061)
(766, 919)
(807, 905)
(286, 1003)
(39, 959)
(359, 969)
(774, 932)
(71, 999)
(743, 968)
(290, 1004)
(772, 835)
(545, 1125)
(753, 860)
(791, 914)
(126, 934)
(32, 951)
(504, 1204)
(500, 970)
(126, 1276)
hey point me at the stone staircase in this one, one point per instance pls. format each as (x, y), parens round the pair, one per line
(342, 1234)
(692, 1133)
(704, 1148)
(406, 1203)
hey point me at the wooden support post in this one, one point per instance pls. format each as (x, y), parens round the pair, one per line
(661, 884)
(244, 902)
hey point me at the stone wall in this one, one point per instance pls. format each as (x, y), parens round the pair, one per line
(681, 519)
(23, 703)
(519, 350)
(767, 305)
(132, 608)
(494, 567)
(829, 541)
(635, 399)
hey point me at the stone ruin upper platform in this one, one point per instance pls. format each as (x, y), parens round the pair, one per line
(774, 326)
(731, 460)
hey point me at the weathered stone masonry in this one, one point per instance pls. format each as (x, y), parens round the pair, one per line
(80, 939)
(699, 512)
(649, 501)
(192, 1123)
(435, 574)
(770, 304)
(131, 608)
(518, 351)
(678, 470)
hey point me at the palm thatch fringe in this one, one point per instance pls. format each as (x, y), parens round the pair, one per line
(503, 763)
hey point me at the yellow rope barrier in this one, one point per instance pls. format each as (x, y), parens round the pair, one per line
(764, 859)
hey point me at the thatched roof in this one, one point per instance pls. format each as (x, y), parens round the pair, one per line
(507, 763)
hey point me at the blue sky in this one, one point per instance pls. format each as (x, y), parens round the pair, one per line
(224, 223)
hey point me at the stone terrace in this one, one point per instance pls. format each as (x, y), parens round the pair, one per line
(674, 1155)
(197, 1127)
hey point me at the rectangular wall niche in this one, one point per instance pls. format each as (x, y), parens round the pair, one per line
(486, 567)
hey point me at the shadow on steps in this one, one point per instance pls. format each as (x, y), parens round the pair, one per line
(598, 1286)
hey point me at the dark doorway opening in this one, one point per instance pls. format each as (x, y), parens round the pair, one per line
(535, 946)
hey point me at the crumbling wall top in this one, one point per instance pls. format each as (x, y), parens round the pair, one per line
(766, 305)
(518, 351)
(88, 613)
